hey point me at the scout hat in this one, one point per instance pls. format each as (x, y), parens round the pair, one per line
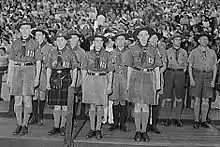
(176, 35)
(74, 32)
(139, 29)
(61, 33)
(120, 33)
(201, 35)
(40, 29)
(25, 22)
(92, 38)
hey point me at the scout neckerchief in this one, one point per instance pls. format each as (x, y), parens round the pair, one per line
(177, 52)
(43, 44)
(97, 59)
(23, 45)
(120, 55)
(59, 57)
(143, 57)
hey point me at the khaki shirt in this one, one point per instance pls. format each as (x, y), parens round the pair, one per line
(203, 60)
(169, 57)
(119, 61)
(32, 53)
(97, 61)
(44, 50)
(134, 57)
(68, 59)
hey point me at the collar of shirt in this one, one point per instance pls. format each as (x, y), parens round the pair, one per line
(120, 51)
(97, 53)
(62, 50)
(144, 48)
(43, 44)
(25, 40)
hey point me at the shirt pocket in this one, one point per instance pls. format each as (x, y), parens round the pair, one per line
(137, 57)
(150, 59)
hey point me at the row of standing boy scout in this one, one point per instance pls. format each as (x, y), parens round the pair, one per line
(100, 71)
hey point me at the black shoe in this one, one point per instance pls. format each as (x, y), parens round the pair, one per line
(1, 99)
(91, 134)
(155, 130)
(205, 125)
(24, 130)
(33, 120)
(54, 131)
(137, 136)
(167, 123)
(98, 135)
(178, 123)
(196, 125)
(113, 127)
(145, 137)
(124, 128)
(62, 131)
(17, 130)
(41, 122)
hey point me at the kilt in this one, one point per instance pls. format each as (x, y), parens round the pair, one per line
(94, 90)
(119, 91)
(43, 81)
(202, 86)
(23, 78)
(142, 87)
(59, 96)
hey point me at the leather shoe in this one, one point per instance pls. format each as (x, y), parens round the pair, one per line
(145, 137)
(178, 123)
(155, 130)
(205, 125)
(196, 125)
(124, 128)
(167, 123)
(138, 136)
(98, 135)
(113, 127)
(91, 134)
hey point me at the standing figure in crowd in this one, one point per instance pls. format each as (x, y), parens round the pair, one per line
(74, 40)
(202, 71)
(155, 109)
(141, 85)
(39, 99)
(97, 71)
(25, 54)
(175, 64)
(62, 63)
(119, 95)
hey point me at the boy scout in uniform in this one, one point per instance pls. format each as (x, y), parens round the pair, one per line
(155, 109)
(97, 64)
(202, 71)
(74, 40)
(119, 95)
(40, 93)
(25, 54)
(175, 64)
(141, 62)
(62, 63)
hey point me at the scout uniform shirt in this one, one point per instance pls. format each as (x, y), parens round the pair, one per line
(97, 61)
(62, 59)
(203, 60)
(118, 60)
(143, 57)
(175, 59)
(25, 50)
(45, 48)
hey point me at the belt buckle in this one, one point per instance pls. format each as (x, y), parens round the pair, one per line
(96, 74)
(59, 71)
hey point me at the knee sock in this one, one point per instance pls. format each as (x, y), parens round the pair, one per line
(154, 115)
(99, 118)
(123, 114)
(196, 109)
(56, 115)
(18, 112)
(178, 109)
(145, 117)
(168, 108)
(204, 109)
(116, 114)
(27, 111)
(92, 119)
(137, 116)
(63, 118)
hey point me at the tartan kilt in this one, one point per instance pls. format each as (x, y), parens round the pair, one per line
(142, 87)
(59, 96)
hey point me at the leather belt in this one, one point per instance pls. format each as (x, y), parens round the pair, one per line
(203, 71)
(96, 74)
(143, 69)
(24, 64)
(171, 69)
